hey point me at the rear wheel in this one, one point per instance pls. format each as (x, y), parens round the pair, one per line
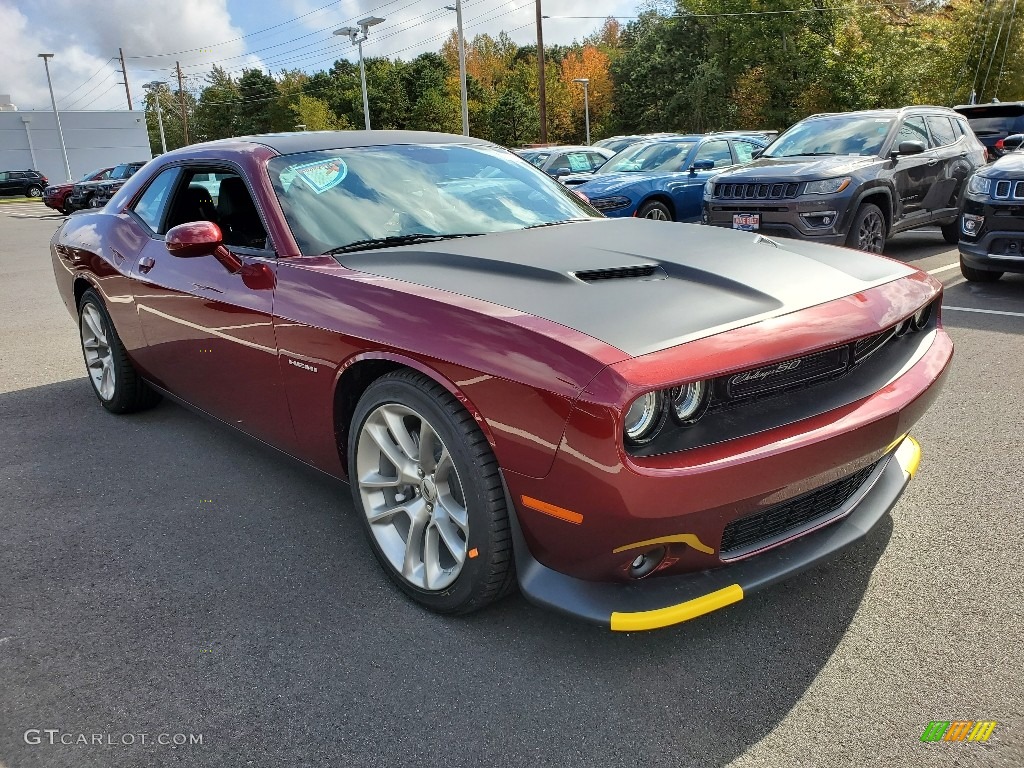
(66, 208)
(430, 494)
(951, 232)
(34, 191)
(655, 210)
(114, 379)
(978, 275)
(867, 233)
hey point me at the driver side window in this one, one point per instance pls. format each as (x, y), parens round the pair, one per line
(912, 130)
(715, 151)
(220, 196)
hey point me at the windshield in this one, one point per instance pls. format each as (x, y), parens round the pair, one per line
(123, 171)
(535, 158)
(662, 156)
(333, 198)
(834, 135)
(93, 175)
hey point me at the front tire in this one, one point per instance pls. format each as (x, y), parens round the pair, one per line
(654, 210)
(978, 275)
(114, 379)
(430, 495)
(867, 232)
(951, 232)
(34, 191)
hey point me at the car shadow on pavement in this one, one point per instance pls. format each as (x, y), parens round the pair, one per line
(164, 574)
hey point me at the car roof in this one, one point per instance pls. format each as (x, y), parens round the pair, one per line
(898, 112)
(311, 141)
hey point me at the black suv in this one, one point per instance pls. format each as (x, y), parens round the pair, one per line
(95, 194)
(27, 183)
(992, 223)
(853, 178)
(992, 123)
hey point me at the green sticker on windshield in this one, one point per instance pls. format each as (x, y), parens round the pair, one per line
(319, 175)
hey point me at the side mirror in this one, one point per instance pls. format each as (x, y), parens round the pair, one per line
(910, 148)
(1012, 142)
(756, 154)
(561, 172)
(200, 238)
(702, 165)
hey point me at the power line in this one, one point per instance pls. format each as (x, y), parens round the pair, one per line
(970, 50)
(236, 39)
(91, 90)
(995, 47)
(1009, 33)
(102, 67)
(981, 51)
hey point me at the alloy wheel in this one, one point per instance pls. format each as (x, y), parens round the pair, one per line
(871, 234)
(98, 357)
(657, 214)
(35, 192)
(412, 496)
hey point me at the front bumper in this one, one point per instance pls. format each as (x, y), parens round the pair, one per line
(664, 601)
(999, 246)
(787, 217)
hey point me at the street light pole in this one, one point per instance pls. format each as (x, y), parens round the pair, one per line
(462, 65)
(154, 88)
(56, 115)
(358, 35)
(541, 82)
(585, 81)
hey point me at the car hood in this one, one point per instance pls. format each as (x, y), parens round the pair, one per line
(798, 168)
(1009, 165)
(605, 184)
(90, 184)
(702, 281)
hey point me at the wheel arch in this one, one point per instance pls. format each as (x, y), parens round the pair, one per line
(361, 370)
(80, 286)
(881, 197)
(660, 197)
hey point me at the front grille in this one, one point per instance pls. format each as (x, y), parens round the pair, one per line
(727, 191)
(786, 374)
(778, 522)
(617, 273)
(1007, 189)
(797, 373)
(1002, 189)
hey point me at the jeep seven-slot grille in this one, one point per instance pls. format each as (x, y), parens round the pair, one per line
(1005, 187)
(756, 191)
(774, 523)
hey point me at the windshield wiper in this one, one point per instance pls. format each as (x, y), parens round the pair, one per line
(554, 223)
(806, 154)
(374, 243)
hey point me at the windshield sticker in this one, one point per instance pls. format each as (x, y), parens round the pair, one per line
(320, 175)
(578, 162)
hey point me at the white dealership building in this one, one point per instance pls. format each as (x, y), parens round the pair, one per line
(94, 139)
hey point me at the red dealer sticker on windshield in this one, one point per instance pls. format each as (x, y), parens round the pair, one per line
(320, 175)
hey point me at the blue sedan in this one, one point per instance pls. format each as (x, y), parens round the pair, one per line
(664, 179)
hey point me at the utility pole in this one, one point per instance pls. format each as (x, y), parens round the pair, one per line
(462, 65)
(56, 115)
(542, 83)
(124, 71)
(181, 102)
(155, 88)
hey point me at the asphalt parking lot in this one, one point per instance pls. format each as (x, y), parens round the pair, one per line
(161, 574)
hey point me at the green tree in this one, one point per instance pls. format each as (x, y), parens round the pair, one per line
(513, 119)
(257, 94)
(216, 112)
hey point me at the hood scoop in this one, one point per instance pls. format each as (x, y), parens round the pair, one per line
(635, 272)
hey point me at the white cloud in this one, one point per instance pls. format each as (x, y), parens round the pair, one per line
(84, 34)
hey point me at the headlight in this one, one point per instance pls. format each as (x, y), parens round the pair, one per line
(689, 401)
(826, 187)
(979, 185)
(709, 188)
(644, 418)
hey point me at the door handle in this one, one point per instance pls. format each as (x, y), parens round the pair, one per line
(146, 263)
(933, 161)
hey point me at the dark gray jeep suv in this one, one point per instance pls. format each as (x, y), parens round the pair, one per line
(853, 178)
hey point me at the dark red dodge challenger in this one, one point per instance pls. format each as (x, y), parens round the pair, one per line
(638, 421)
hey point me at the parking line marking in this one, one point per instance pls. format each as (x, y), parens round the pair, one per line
(983, 311)
(944, 269)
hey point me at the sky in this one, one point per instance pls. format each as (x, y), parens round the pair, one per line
(84, 36)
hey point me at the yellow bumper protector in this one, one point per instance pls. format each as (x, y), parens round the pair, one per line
(909, 455)
(678, 538)
(674, 614)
